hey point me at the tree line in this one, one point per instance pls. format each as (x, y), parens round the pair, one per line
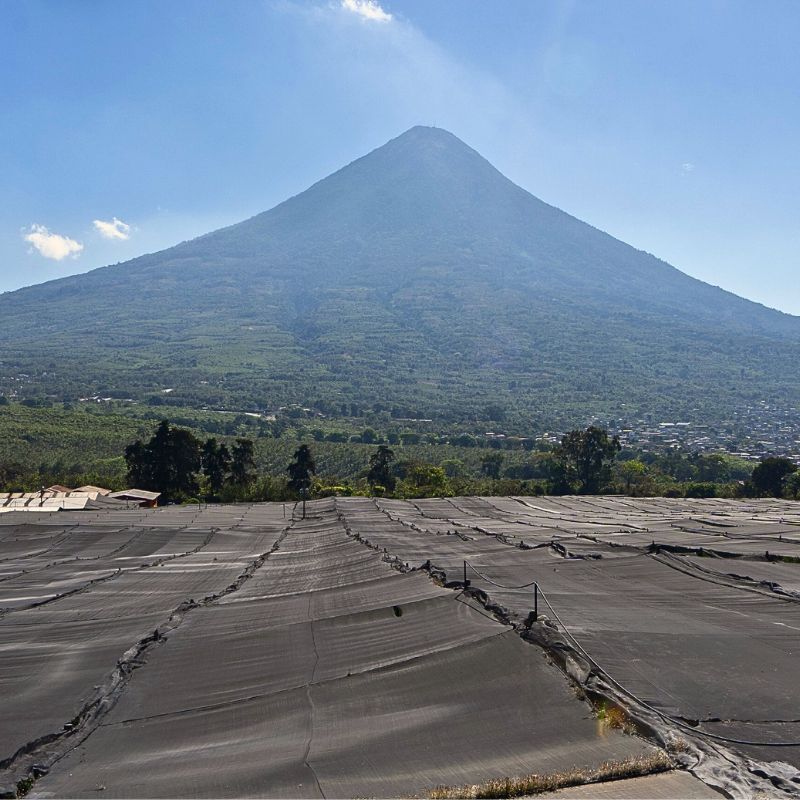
(177, 464)
(181, 466)
(187, 464)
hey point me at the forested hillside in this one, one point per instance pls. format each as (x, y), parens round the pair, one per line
(418, 281)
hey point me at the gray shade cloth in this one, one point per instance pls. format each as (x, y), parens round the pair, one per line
(305, 665)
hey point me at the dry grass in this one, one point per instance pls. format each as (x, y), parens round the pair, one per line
(535, 784)
(677, 744)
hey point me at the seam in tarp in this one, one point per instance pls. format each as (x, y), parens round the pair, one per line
(88, 718)
(646, 705)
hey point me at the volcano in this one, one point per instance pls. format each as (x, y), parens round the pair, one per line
(416, 281)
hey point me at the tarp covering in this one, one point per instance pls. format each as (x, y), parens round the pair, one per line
(240, 650)
(624, 576)
(313, 669)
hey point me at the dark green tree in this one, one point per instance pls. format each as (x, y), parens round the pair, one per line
(768, 477)
(243, 463)
(702, 489)
(494, 412)
(184, 462)
(490, 465)
(368, 436)
(302, 469)
(711, 468)
(380, 473)
(791, 484)
(216, 462)
(555, 470)
(9, 475)
(586, 458)
(168, 463)
(138, 462)
(159, 457)
(453, 467)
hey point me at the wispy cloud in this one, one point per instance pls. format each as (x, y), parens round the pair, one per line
(116, 229)
(52, 245)
(367, 9)
(687, 167)
(406, 78)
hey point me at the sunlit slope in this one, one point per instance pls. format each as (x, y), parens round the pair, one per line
(417, 277)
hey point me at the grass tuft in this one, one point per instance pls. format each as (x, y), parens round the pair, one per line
(25, 785)
(535, 784)
(614, 717)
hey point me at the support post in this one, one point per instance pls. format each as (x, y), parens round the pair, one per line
(535, 601)
(466, 582)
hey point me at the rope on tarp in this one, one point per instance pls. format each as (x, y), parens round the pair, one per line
(494, 583)
(579, 647)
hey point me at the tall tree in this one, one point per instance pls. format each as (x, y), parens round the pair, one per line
(243, 463)
(302, 469)
(168, 463)
(769, 475)
(631, 472)
(791, 484)
(216, 462)
(586, 457)
(379, 471)
(138, 462)
(9, 474)
(184, 463)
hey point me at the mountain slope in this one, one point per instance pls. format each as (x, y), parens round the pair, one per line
(416, 278)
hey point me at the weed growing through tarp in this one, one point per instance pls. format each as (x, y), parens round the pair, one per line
(633, 767)
(614, 717)
(25, 785)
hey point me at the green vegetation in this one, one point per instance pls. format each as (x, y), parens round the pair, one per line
(614, 716)
(770, 476)
(242, 464)
(216, 462)
(301, 471)
(583, 461)
(380, 475)
(171, 461)
(24, 785)
(416, 283)
(246, 457)
(167, 463)
(74, 446)
(791, 485)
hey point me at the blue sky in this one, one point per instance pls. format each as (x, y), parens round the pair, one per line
(673, 125)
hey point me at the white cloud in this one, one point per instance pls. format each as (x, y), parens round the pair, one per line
(52, 245)
(116, 229)
(367, 9)
(687, 167)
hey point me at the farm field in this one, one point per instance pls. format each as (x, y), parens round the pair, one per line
(242, 650)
